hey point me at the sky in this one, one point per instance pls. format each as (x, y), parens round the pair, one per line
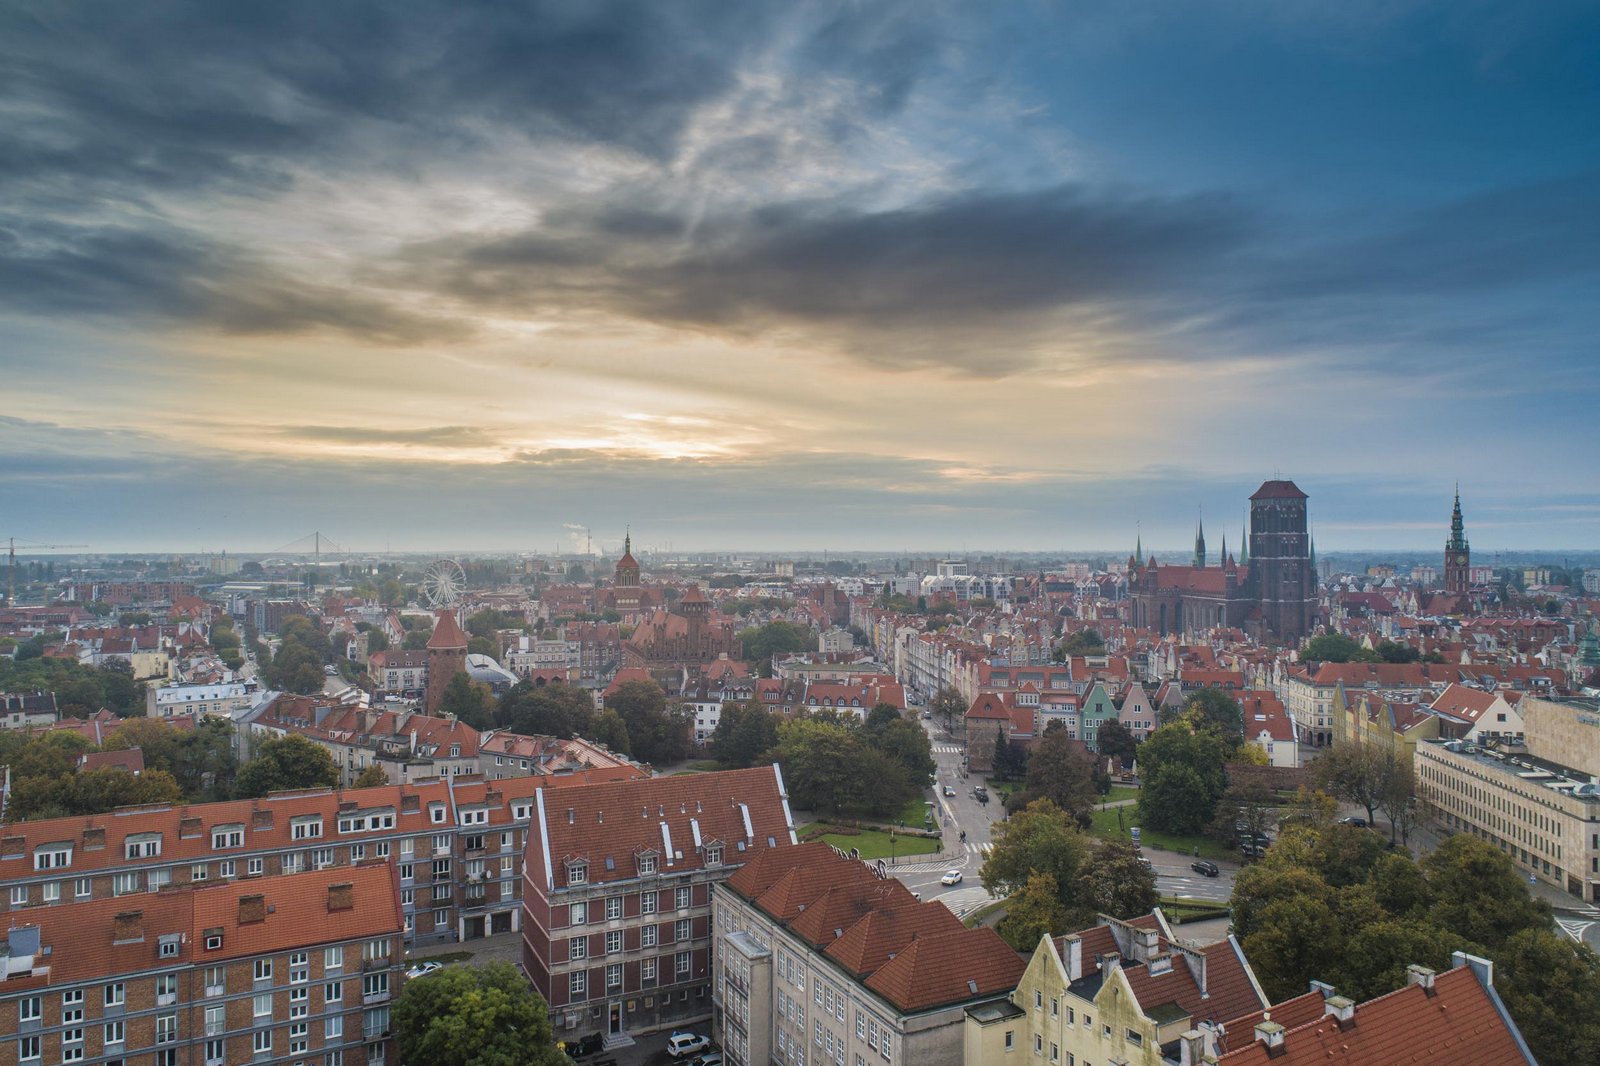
(776, 276)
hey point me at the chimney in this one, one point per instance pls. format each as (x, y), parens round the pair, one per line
(252, 909)
(342, 896)
(1481, 968)
(260, 819)
(1111, 960)
(1269, 1032)
(1341, 1008)
(94, 837)
(1074, 956)
(1160, 964)
(1322, 986)
(128, 926)
(1191, 1049)
(1420, 975)
(1147, 944)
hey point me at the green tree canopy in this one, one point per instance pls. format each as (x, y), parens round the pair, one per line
(829, 765)
(554, 710)
(372, 777)
(744, 735)
(612, 731)
(775, 638)
(1552, 988)
(1041, 838)
(948, 707)
(1478, 893)
(1215, 708)
(1117, 742)
(1035, 911)
(289, 761)
(1061, 771)
(1182, 778)
(659, 735)
(470, 702)
(1329, 648)
(474, 1016)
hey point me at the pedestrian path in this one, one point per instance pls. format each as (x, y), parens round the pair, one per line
(947, 749)
(980, 849)
(963, 901)
(1579, 922)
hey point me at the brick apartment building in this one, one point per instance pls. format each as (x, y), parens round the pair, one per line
(288, 969)
(457, 845)
(616, 908)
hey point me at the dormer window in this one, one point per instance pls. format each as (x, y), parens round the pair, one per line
(436, 812)
(577, 873)
(305, 828)
(647, 863)
(142, 846)
(455, 751)
(52, 857)
(227, 836)
(714, 855)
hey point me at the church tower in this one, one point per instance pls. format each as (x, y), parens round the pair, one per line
(625, 591)
(1200, 544)
(1281, 576)
(1457, 555)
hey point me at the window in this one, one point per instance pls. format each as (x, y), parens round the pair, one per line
(333, 958)
(614, 975)
(1038, 1044)
(647, 936)
(29, 1009)
(375, 984)
(166, 1028)
(19, 895)
(216, 1020)
(1055, 1052)
(142, 846)
(28, 1049)
(1011, 1039)
(441, 869)
(72, 1045)
(263, 969)
(115, 994)
(576, 983)
(216, 980)
(682, 967)
(682, 929)
(51, 891)
(261, 1041)
(714, 855)
(1055, 1007)
(1135, 1039)
(381, 849)
(227, 868)
(72, 1007)
(83, 887)
(123, 884)
(297, 1038)
(441, 891)
(227, 836)
(114, 1032)
(52, 857)
(333, 992)
(647, 903)
(333, 1028)
(613, 942)
(647, 970)
(199, 872)
(299, 1002)
(578, 948)
(253, 867)
(375, 949)
(682, 895)
(169, 947)
(262, 1005)
(436, 812)
(613, 908)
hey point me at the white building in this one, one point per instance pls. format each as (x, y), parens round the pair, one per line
(200, 700)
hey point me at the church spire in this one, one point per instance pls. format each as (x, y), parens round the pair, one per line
(1244, 542)
(1200, 542)
(1138, 548)
(627, 541)
(1458, 529)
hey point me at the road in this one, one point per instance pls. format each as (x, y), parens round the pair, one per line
(963, 812)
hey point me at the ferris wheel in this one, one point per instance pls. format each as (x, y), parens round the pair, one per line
(443, 582)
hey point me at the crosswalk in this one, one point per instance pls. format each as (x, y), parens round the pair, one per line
(947, 749)
(963, 901)
(980, 850)
(1578, 925)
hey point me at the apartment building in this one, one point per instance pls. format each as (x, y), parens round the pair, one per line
(219, 700)
(1120, 992)
(617, 888)
(456, 843)
(294, 969)
(820, 958)
(1540, 805)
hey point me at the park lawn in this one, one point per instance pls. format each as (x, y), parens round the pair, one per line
(1005, 788)
(913, 814)
(700, 766)
(1119, 793)
(875, 844)
(1105, 825)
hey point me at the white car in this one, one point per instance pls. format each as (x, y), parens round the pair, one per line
(681, 1044)
(951, 877)
(423, 969)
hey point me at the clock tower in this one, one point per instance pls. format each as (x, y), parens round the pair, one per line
(1457, 555)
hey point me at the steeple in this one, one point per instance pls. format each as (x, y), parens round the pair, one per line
(1200, 542)
(1222, 553)
(1138, 548)
(627, 541)
(1244, 542)
(1458, 529)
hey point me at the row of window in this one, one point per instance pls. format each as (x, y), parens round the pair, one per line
(682, 929)
(578, 981)
(578, 913)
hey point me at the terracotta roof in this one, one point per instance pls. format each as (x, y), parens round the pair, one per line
(948, 968)
(129, 759)
(1458, 1024)
(843, 904)
(447, 632)
(744, 810)
(1464, 702)
(1278, 490)
(878, 937)
(1291, 1014)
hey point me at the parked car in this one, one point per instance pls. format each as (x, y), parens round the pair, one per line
(423, 969)
(681, 1043)
(1359, 823)
(585, 1046)
(710, 1058)
(1205, 867)
(949, 790)
(951, 877)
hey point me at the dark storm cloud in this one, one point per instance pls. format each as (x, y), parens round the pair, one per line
(166, 273)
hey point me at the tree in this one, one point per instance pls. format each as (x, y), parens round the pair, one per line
(1040, 839)
(948, 707)
(1034, 912)
(564, 711)
(1006, 763)
(775, 638)
(1083, 642)
(1552, 988)
(372, 777)
(1374, 958)
(1478, 893)
(905, 742)
(285, 762)
(1354, 773)
(1296, 940)
(1246, 811)
(474, 1016)
(1060, 771)
(377, 640)
(751, 732)
(1117, 742)
(1329, 648)
(1182, 778)
(469, 702)
(1391, 652)
(1114, 880)
(1215, 708)
(612, 731)
(658, 735)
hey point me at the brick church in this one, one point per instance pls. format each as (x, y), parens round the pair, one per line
(1270, 591)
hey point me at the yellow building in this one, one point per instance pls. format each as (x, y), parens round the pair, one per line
(1123, 993)
(1384, 719)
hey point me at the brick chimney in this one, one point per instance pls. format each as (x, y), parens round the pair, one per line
(1147, 944)
(127, 927)
(341, 897)
(252, 909)
(1341, 1008)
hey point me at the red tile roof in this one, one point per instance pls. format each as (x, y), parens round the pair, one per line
(1278, 490)
(447, 632)
(951, 967)
(1458, 1024)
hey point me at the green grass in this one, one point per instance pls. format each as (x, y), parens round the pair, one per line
(1105, 825)
(444, 958)
(874, 844)
(1005, 788)
(912, 815)
(1119, 793)
(700, 766)
(1186, 909)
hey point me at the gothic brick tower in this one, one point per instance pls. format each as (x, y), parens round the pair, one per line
(1457, 555)
(625, 589)
(447, 657)
(1281, 576)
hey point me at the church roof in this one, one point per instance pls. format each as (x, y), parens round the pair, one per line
(1278, 490)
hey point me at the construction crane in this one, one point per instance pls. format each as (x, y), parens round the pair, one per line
(11, 558)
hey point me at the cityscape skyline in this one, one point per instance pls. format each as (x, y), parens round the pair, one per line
(815, 274)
